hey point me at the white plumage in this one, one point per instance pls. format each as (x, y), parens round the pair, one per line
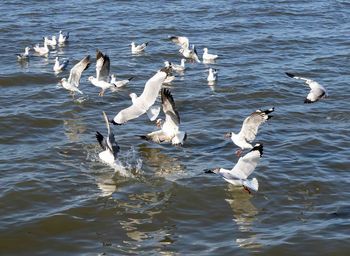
(138, 48)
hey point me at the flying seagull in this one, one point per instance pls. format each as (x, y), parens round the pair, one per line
(169, 131)
(190, 53)
(102, 72)
(119, 83)
(145, 101)
(249, 129)
(75, 74)
(317, 91)
(245, 166)
(58, 67)
(108, 144)
(181, 41)
(23, 56)
(138, 48)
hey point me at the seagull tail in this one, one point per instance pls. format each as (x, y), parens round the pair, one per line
(251, 184)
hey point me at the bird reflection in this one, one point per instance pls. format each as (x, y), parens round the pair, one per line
(73, 128)
(244, 215)
(163, 165)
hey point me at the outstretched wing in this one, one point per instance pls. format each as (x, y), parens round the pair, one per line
(102, 66)
(77, 70)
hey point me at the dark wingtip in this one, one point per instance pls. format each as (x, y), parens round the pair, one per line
(165, 92)
(307, 101)
(208, 171)
(143, 137)
(131, 78)
(113, 122)
(290, 75)
(259, 147)
(167, 70)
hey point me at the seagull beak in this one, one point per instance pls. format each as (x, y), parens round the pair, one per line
(227, 135)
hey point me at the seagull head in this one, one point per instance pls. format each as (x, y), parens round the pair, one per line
(205, 50)
(90, 78)
(63, 80)
(228, 135)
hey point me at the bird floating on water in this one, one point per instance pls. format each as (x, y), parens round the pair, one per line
(317, 91)
(145, 101)
(169, 131)
(74, 77)
(207, 57)
(245, 166)
(249, 129)
(42, 51)
(138, 48)
(212, 75)
(51, 42)
(58, 67)
(108, 144)
(24, 56)
(179, 68)
(63, 38)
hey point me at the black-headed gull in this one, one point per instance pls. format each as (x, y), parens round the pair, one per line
(74, 77)
(138, 48)
(207, 56)
(119, 83)
(42, 51)
(249, 129)
(144, 103)
(23, 56)
(245, 166)
(62, 38)
(51, 42)
(212, 75)
(169, 131)
(108, 144)
(60, 66)
(102, 72)
(317, 91)
(181, 41)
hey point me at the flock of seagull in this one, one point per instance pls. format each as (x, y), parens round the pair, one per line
(168, 129)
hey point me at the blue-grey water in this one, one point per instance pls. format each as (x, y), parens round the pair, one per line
(57, 198)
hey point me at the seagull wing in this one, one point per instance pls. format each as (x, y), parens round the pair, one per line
(77, 70)
(315, 94)
(251, 125)
(246, 164)
(172, 118)
(102, 66)
(145, 101)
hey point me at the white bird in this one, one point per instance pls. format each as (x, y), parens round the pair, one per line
(120, 83)
(179, 68)
(249, 129)
(108, 144)
(41, 50)
(317, 91)
(23, 56)
(190, 53)
(169, 131)
(58, 67)
(75, 74)
(207, 56)
(181, 41)
(245, 166)
(102, 73)
(63, 38)
(144, 103)
(52, 41)
(212, 75)
(138, 48)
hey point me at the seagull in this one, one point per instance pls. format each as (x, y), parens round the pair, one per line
(120, 83)
(75, 74)
(181, 41)
(249, 129)
(245, 166)
(138, 48)
(24, 56)
(108, 144)
(179, 68)
(213, 75)
(102, 72)
(190, 53)
(58, 67)
(63, 38)
(145, 101)
(52, 41)
(169, 131)
(317, 91)
(207, 56)
(41, 50)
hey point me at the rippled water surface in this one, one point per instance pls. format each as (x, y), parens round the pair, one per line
(57, 198)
